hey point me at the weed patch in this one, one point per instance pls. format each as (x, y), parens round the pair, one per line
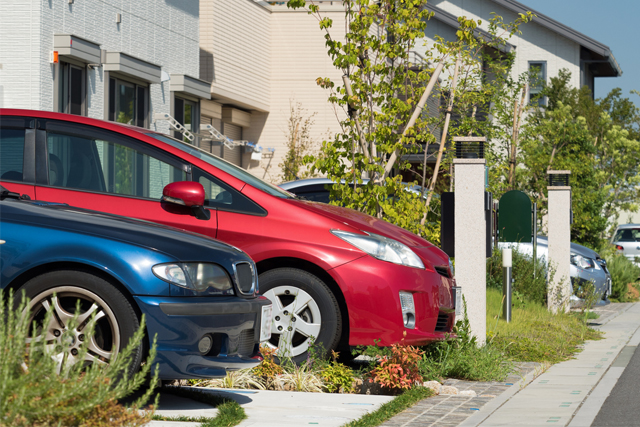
(39, 388)
(461, 358)
(534, 334)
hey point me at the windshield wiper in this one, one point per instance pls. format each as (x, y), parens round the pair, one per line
(4, 194)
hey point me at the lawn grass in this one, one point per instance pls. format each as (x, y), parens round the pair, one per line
(230, 413)
(534, 334)
(389, 409)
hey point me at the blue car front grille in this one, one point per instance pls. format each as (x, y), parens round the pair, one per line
(245, 278)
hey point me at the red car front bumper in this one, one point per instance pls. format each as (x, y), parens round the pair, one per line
(371, 288)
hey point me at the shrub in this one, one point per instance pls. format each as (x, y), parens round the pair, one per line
(268, 369)
(525, 285)
(38, 390)
(337, 377)
(300, 378)
(399, 370)
(243, 378)
(623, 272)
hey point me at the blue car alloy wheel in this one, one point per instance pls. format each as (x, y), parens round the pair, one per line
(114, 317)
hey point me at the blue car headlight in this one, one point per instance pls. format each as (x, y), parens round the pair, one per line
(201, 277)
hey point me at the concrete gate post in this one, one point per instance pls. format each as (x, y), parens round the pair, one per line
(559, 232)
(470, 238)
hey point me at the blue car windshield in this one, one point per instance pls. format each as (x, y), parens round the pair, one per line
(223, 165)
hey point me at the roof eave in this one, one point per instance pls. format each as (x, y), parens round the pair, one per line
(577, 37)
(451, 20)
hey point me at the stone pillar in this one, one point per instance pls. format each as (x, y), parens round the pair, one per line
(470, 241)
(559, 234)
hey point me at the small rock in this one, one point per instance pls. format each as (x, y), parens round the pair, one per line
(433, 385)
(470, 393)
(357, 385)
(447, 389)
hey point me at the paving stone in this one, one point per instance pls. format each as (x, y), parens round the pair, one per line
(450, 410)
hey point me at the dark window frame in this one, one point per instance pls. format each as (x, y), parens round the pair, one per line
(64, 86)
(141, 107)
(179, 103)
(534, 91)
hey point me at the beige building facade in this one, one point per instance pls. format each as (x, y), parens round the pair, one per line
(262, 58)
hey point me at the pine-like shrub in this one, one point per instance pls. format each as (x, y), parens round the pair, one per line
(40, 390)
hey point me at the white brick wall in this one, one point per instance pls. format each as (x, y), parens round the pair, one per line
(163, 32)
(20, 54)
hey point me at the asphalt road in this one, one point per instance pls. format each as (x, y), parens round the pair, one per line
(622, 407)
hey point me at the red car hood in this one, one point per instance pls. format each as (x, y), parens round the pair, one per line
(363, 222)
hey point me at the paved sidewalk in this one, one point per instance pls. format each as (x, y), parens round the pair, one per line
(276, 408)
(568, 393)
(572, 392)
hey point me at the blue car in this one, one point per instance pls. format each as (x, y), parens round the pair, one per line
(199, 295)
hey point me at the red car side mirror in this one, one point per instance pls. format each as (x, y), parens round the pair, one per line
(188, 194)
(185, 193)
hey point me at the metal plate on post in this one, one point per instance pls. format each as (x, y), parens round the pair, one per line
(447, 223)
(514, 217)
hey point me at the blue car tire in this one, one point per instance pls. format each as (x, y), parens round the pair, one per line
(116, 320)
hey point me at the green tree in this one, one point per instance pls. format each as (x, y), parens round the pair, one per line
(594, 139)
(504, 153)
(380, 90)
(557, 138)
(299, 143)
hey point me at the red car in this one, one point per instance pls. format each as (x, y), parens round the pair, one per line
(334, 275)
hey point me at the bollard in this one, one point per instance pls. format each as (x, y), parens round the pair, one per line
(506, 284)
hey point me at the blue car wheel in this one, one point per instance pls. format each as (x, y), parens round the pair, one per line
(115, 319)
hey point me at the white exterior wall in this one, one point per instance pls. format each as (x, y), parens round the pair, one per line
(20, 54)
(536, 43)
(157, 31)
(299, 57)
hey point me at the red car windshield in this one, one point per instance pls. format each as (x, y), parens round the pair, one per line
(223, 165)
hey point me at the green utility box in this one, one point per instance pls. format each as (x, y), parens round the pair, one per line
(514, 217)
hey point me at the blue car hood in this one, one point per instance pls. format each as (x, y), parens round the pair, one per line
(183, 245)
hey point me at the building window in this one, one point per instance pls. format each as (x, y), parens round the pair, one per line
(72, 89)
(128, 102)
(185, 112)
(537, 82)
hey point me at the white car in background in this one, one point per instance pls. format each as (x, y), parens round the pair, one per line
(627, 240)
